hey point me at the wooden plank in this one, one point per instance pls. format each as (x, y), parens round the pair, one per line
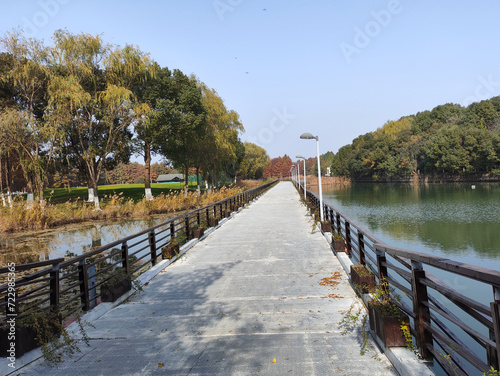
(462, 351)
(33, 265)
(477, 273)
(495, 313)
(475, 309)
(406, 275)
(421, 310)
(453, 365)
(478, 337)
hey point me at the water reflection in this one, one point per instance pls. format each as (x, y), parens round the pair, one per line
(68, 240)
(452, 220)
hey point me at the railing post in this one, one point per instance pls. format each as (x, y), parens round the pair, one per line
(186, 224)
(337, 219)
(381, 268)
(83, 278)
(421, 309)
(361, 248)
(125, 262)
(494, 356)
(54, 286)
(208, 217)
(152, 246)
(198, 218)
(172, 231)
(348, 237)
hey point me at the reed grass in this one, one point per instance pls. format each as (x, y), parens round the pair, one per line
(117, 204)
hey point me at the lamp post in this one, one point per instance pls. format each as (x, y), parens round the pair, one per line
(308, 136)
(305, 182)
(298, 174)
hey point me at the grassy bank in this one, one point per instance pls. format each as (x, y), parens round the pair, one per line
(116, 201)
(134, 191)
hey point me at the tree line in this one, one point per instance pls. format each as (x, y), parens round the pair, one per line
(82, 106)
(449, 140)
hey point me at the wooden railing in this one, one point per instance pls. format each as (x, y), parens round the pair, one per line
(459, 332)
(72, 286)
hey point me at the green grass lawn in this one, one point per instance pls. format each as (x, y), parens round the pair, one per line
(134, 191)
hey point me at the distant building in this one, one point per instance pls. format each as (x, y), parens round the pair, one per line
(170, 178)
(328, 171)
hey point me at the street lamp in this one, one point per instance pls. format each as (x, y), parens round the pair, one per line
(298, 173)
(308, 136)
(305, 183)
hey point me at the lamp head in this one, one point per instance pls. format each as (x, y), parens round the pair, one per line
(299, 156)
(308, 136)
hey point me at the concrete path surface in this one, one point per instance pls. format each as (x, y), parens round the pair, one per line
(261, 295)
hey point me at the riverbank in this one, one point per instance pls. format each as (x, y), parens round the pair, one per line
(411, 179)
(19, 218)
(312, 181)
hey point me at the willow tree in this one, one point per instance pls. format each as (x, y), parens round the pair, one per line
(219, 150)
(132, 68)
(100, 105)
(7, 104)
(27, 132)
(254, 163)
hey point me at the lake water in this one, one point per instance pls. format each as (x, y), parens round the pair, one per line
(70, 240)
(455, 221)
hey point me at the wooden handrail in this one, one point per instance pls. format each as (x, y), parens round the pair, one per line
(432, 317)
(477, 273)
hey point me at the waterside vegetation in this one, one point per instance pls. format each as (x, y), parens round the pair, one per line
(450, 141)
(120, 202)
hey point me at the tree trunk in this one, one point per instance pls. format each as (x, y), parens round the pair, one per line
(92, 185)
(39, 187)
(198, 178)
(8, 176)
(1, 174)
(147, 162)
(186, 180)
(1, 182)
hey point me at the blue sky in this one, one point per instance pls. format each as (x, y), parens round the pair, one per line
(337, 69)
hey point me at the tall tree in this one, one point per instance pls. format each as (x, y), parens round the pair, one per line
(218, 151)
(28, 78)
(254, 163)
(100, 105)
(131, 68)
(178, 121)
(149, 93)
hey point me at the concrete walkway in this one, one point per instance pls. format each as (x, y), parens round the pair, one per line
(261, 295)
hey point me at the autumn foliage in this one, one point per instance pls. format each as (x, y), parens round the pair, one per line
(279, 167)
